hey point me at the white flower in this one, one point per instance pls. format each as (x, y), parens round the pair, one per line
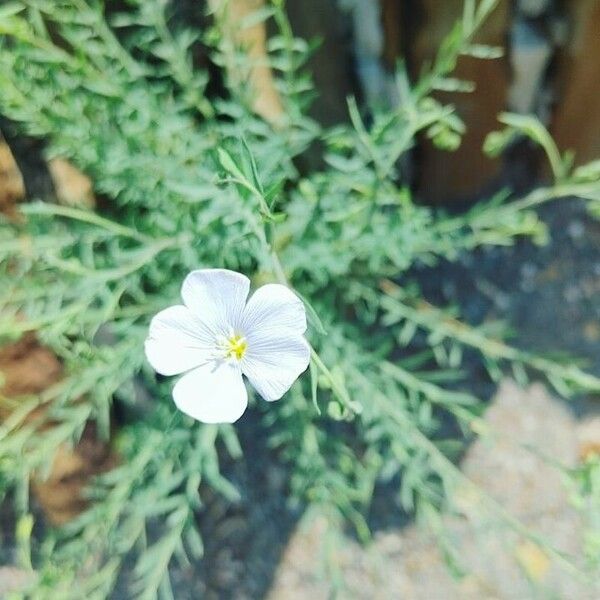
(215, 337)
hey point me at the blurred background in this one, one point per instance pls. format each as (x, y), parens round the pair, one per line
(549, 66)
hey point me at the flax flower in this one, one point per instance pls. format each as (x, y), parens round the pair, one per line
(215, 337)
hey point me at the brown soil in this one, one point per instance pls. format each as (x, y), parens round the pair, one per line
(28, 368)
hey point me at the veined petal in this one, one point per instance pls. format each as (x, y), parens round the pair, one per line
(272, 364)
(272, 308)
(212, 393)
(176, 342)
(217, 298)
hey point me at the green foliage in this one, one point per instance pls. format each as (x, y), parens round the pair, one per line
(585, 497)
(199, 182)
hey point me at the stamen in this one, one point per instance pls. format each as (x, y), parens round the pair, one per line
(236, 347)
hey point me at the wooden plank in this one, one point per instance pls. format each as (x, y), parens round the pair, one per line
(448, 176)
(230, 15)
(576, 123)
(12, 188)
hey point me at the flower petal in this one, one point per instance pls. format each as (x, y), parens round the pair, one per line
(212, 393)
(272, 308)
(272, 364)
(176, 342)
(216, 297)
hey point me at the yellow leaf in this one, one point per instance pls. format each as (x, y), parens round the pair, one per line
(533, 560)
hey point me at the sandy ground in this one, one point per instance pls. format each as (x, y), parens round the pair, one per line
(406, 562)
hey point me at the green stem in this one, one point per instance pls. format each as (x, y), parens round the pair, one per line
(85, 216)
(433, 319)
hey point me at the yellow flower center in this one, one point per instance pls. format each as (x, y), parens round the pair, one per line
(236, 347)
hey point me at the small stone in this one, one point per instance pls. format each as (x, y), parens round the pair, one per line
(576, 230)
(572, 294)
(71, 186)
(528, 270)
(528, 282)
(591, 331)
